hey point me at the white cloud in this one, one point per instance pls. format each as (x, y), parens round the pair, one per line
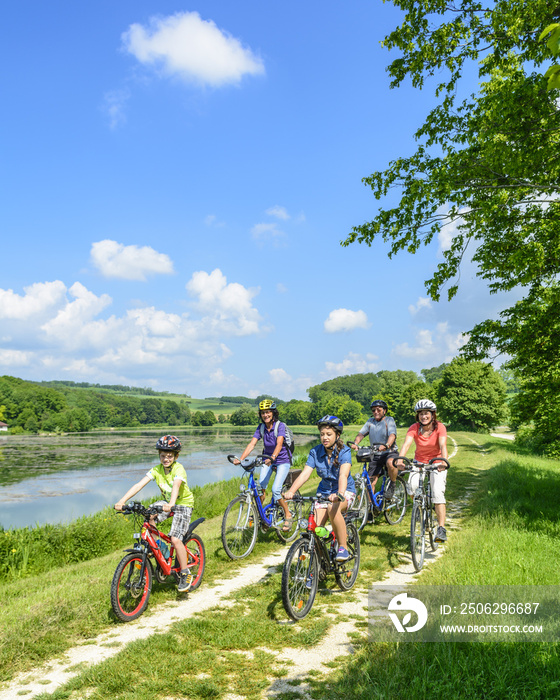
(193, 49)
(422, 303)
(279, 376)
(129, 262)
(353, 363)
(341, 320)
(278, 212)
(14, 358)
(114, 103)
(39, 297)
(264, 231)
(281, 288)
(436, 346)
(70, 333)
(228, 305)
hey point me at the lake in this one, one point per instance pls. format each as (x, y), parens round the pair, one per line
(56, 479)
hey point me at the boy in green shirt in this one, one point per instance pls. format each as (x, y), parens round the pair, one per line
(171, 478)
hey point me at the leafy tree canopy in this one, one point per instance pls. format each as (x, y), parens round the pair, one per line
(487, 165)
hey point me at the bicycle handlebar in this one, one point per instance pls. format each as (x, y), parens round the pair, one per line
(431, 466)
(137, 507)
(248, 463)
(372, 446)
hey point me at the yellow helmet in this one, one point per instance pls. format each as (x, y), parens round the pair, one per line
(267, 405)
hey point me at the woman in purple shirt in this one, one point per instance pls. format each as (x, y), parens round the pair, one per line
(276, 452)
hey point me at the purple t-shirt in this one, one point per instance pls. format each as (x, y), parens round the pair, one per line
(269, 442)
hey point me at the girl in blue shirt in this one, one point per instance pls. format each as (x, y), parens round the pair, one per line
(332, 460)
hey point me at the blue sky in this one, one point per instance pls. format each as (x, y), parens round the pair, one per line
(176, 180)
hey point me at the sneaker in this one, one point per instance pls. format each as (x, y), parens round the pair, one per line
(441, 534)
(185, 582)
(309, 582)
(389, 491)
(342, 554)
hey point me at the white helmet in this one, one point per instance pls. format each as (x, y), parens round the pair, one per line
(425, 405)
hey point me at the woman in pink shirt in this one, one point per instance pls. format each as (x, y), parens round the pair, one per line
(430, 437)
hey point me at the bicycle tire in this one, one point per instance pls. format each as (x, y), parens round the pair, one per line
(196, 560)
(346, 572)
(239, 528)
(361, 505)
(295, 513)
(394, 511)
(130, 593)
(432, 526)
(417, 536)
(299, 565)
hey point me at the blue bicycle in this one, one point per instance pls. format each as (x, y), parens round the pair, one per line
(368, 504)
(246, 514)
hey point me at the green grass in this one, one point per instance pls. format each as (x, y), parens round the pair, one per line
(509, 533)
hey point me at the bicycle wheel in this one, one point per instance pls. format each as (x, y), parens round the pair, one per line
(417, 536)
(196, 559)
(239, 528)
(299, 571)
(346, 572)
(361, 505)
(395, 510)
(432, 527)
(278, 521)
(130, 591)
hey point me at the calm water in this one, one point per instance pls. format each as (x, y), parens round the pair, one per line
(57, 479)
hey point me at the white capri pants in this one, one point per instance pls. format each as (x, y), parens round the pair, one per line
(438, 482)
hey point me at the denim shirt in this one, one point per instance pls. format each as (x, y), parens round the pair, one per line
(318, 460)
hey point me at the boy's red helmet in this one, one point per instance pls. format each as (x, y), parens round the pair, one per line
(169, 443)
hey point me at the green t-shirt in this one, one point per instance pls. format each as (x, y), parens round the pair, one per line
(165, 483)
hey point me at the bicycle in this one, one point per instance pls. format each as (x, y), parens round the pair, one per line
(367, 503)
(311, 558)
(152, 556)
(423, 517)
(246, 514)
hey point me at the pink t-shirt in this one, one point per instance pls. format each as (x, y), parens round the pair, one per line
(427, 446)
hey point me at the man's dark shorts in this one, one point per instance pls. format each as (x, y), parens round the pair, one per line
(376, 467)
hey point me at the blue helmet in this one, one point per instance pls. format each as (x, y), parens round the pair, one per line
(331, 422)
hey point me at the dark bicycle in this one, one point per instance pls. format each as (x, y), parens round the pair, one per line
(423, 520)
(312, 557)
(152, 555)
(370, 505)
(246, 514)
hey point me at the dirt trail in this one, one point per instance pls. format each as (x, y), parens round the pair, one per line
(300, 662)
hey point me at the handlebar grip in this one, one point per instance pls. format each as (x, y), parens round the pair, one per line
(439, 459)
(231, 458)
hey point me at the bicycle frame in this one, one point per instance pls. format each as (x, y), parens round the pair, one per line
(146, 543)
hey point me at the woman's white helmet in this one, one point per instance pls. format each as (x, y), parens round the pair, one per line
(425, 405)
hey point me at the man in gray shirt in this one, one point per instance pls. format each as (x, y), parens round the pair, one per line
(381, 429)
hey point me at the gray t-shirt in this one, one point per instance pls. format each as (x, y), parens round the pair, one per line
(379, 431)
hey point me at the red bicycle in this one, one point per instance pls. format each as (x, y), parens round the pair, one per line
(152, 555)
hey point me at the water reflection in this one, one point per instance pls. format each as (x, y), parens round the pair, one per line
(60, 478)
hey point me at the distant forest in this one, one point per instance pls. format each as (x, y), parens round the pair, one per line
(471, 395)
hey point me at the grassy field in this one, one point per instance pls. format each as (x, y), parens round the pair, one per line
(509, 534)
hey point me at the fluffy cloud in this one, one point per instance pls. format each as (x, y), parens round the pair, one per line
(436, 346)
(278, 212)
(129, 262)
(228, 306)
(422, 303)
(353, 363)
(69, 330)
(263, 231)
(114, 103)
(193, 49)
(39, 298)
(345, 320)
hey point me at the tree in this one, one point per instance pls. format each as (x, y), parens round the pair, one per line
(244, 415)
(489, 165)
(470, 395)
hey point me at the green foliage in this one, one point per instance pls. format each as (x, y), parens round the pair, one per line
(486, 165)
(553, 43)
(245, 415)
(403, 411)
(470, 395)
